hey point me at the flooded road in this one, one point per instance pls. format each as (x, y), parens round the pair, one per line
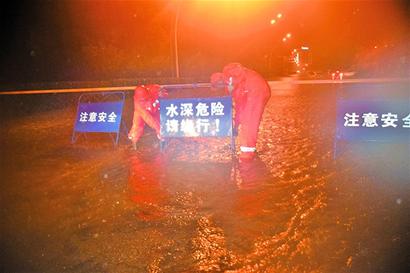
(92, 207)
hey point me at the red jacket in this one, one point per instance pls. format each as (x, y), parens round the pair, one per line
(146, 110)
(147, 96)
(246, 83)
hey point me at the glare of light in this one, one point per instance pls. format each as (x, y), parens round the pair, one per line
(297, 59)
(288, 35)
(305, 48)
(224, 17)
(272, 22)
(375, 46)
(284, 39)
(279, 15)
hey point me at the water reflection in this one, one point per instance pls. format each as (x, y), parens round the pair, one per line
(251, 174)
(146, 186)
(291, 210)
(266, 225)
(210, 251)
(250, 197)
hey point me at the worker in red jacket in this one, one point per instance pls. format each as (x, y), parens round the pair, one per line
(146, 111)
(250, 94)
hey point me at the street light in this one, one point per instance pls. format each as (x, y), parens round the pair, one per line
(278, 16)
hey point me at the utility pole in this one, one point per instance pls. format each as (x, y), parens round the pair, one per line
(176, 41)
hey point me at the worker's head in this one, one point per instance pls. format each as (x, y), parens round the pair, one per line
(234, 70)
(141, 93)
(217, 79)
(153, 90)
(156, 91)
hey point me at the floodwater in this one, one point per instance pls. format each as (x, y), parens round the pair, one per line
(298, 207)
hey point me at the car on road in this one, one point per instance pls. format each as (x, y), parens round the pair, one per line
(340, 75)
(337, 75)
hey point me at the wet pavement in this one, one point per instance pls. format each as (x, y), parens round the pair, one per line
(93, 207)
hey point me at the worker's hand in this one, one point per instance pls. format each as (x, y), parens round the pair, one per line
(160, 138)
(134, 142)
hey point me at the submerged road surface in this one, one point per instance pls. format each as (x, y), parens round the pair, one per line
(91, 207)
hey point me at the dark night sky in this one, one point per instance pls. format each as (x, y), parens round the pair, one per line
(46, 41)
